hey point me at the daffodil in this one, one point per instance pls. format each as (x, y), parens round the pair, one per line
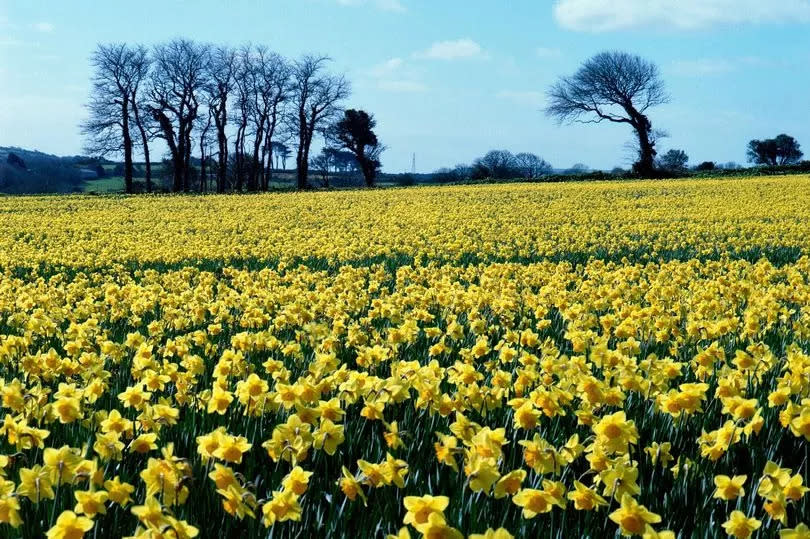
(585, 499)
(729, 488)
(632, 517)
(740, 526)
(70, 526)
(509, 484)
(296, 481)
(421, 507)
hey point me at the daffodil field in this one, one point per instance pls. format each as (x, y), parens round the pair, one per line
(515, 360)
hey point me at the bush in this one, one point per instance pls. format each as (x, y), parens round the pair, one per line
(403, 180)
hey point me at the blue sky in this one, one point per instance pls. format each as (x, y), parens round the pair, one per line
(448, 79)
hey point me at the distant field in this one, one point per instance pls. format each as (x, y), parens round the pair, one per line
(557, 360)
(105, 185)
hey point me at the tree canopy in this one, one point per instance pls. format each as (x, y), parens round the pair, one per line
(781, 150)
(674, 161)
(355, 132)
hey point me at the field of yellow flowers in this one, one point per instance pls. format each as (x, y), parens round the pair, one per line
(522, 360)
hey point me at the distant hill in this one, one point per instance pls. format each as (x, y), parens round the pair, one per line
(31, 171)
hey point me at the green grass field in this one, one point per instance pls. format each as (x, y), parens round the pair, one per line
(105, 185)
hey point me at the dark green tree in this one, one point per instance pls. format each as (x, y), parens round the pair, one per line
(355, 132)
(782, 150)
(674, 161)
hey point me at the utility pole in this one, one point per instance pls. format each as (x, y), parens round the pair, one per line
(413, 164)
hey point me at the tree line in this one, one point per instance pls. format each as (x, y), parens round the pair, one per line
(242, 109)
(238, 109)
(498, 165)
(780, 151)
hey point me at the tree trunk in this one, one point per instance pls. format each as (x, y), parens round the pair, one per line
(302, 154)
(179, 159)
(187, 159)
(127, 147)
(222, 141)
(168, 135)
(263, 183)
(202, 168)
(301, 165)
(646, 162)
(145, 142)
(269, 173)
(148, 171)
(366, 165)
(302, 172)
(255, 169)
(368, 172)
(239, 156)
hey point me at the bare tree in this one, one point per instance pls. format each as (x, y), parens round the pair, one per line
(315, 97)
(141, 65)
(222, 68)
(280, 93)
(242, 85)
(268, 83)
(321, 163)
(616, 87)
(178, 77)
(531, 165)
(498, 164)
(282, 152)
(206, 141)
(119, 71)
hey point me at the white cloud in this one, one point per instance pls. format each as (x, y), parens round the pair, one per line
(44, 27)
(548, 52)
(604, 15)
(385, 68)
(385, 5)
(402, 86)
(453, 50)
(529, 98)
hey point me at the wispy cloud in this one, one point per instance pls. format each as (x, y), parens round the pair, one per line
(44, 27)
(385, 5)
(453, 50)
(703, 67)
(386, 68)
(603, 16)
(529, 98)
(548, 52)
(393, 75)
